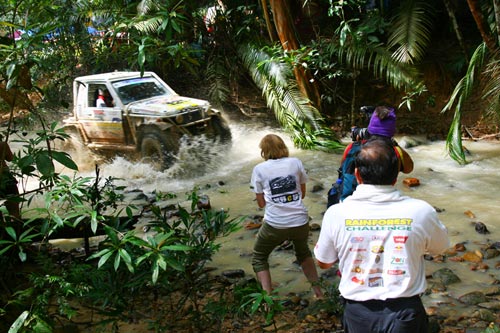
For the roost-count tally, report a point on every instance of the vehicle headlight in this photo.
(179, 119)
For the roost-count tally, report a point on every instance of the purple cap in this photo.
(384, 127)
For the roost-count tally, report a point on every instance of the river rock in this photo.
(492, 291)
(490, 253)
(234, 273)
(492, 305)
(472, 257)
(315, 227)
(484, 315)
(446, 276)
(411, 181)
(317, 188)
(470, 214)
(409, 142)
(473, 298)
(480, 228)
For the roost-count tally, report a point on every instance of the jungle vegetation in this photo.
(315, 63)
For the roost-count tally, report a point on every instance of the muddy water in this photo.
(224, 175)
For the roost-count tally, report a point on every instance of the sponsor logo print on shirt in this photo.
(398, 261)
(377, 249)
(402, 224)
(376, 282)
(396, 272)
(400, 239)
(358, 281)
(357, 239)
(355, 249)
(286, 198)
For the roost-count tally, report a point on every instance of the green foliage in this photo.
(462, 91)
(37, 160)
(254, 299)
(295, 114)
(411, 33)
(492, 328)
(17, 242)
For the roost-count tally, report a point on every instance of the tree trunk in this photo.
(475, 9)
(270, 28)
(496, 6)
(286, 32)
(458, 34)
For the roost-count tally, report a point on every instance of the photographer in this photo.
(382, 126)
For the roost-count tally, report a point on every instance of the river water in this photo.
(224, 175)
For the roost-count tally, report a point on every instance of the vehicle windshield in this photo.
(136, 89)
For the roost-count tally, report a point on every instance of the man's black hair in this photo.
(377, 163)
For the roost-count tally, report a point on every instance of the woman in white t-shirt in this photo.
(279, 184)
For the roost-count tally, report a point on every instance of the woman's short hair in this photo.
(273, 147)
(377, 163)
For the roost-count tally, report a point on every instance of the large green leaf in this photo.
(65, 159)
(44, 164)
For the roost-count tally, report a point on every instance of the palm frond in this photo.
(217, 75)
(411, 31)
(294, 112)
(380, 61)
(492, 86)
(462, 91)
(148, 25)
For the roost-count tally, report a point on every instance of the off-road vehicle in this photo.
(141, 114)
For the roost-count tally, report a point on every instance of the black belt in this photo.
(379, 301)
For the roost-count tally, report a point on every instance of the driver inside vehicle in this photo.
(103, 99)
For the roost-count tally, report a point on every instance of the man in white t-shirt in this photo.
(379, 238)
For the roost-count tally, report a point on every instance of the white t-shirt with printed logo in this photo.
(379, 238)
(280, 182)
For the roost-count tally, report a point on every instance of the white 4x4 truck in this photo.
(140, 114)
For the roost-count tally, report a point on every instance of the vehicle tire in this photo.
(159, 148)
(221, 129)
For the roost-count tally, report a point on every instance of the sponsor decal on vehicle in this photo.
(357, 239)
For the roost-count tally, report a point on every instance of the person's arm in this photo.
(261, 202)
(303, 189)
(323, 265)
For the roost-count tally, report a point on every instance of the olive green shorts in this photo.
(269, 238)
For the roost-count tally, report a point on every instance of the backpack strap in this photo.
(346, 151)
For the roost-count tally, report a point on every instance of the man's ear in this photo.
(358, 177)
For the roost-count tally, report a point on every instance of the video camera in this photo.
(367, 111)
(358, 133)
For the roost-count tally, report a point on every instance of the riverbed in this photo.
(224, 175)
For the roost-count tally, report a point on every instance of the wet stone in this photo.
(315, 227)
(481, 228)
(491, 253)
(317, 188)
(446, 276)
(234, 273)
(472, 257)
(493, 305)
(473, 298)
